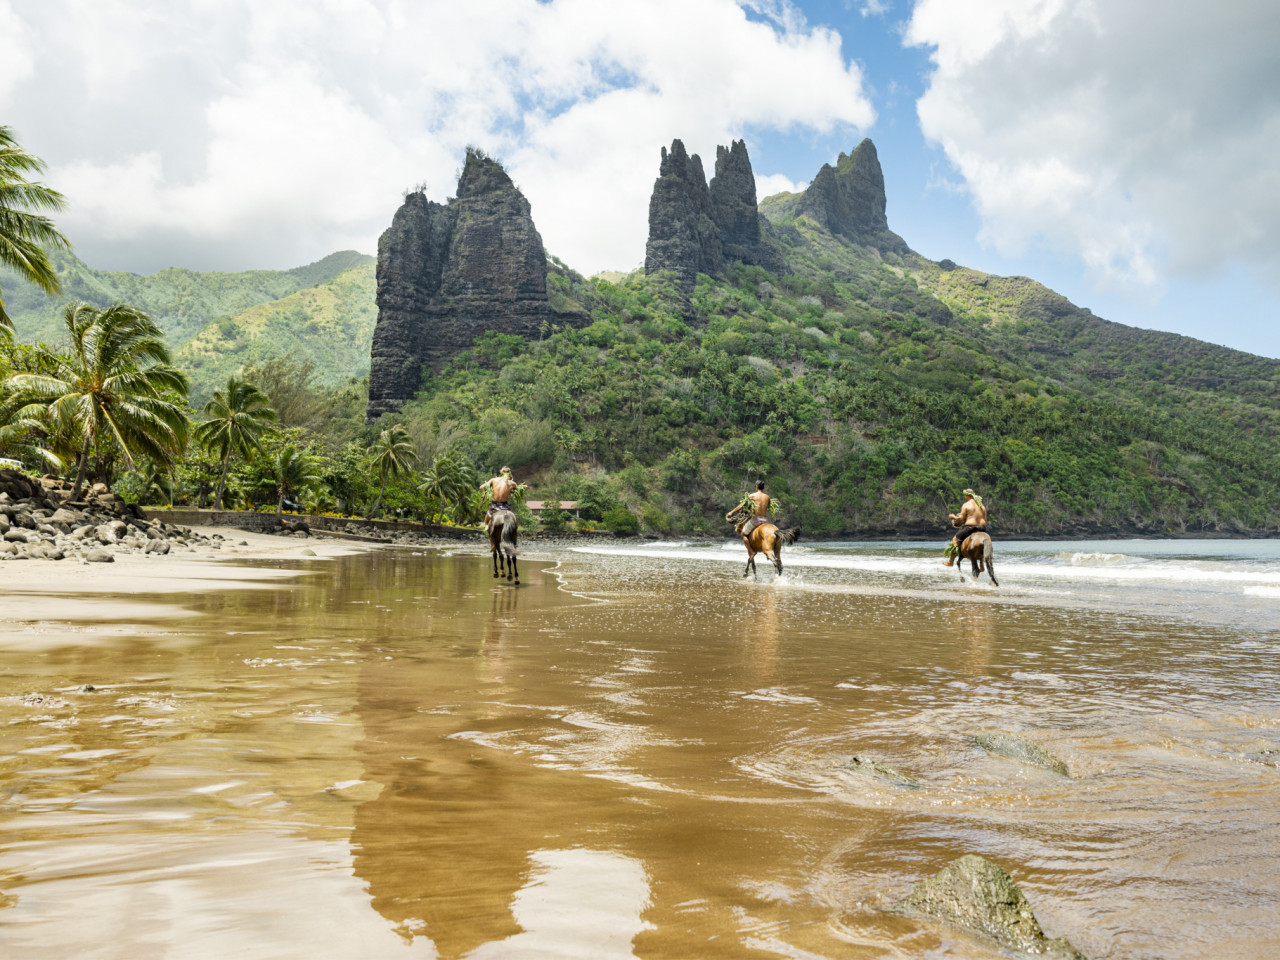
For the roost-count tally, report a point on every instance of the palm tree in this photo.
(393, 454)
(237, 420)
(110, 388)
(292, 470)
(450, 481)
(23, 233)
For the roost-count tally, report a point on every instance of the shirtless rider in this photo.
(761, 502)
(971, 518)
(500, 489)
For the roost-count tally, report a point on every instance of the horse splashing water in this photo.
(503, 531)
(977, 549)
(765, 538)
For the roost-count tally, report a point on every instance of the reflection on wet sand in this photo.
(401, 757)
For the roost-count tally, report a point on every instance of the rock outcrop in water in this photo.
(976, 895)
(695, 228)
(1021, 749)
(448, 273)
(875, 770)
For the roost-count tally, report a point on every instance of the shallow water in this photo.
(636, 753)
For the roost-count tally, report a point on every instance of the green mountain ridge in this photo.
(181, 301)
(330, 323)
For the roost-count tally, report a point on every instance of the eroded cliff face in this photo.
(695, 228)
(448, 273)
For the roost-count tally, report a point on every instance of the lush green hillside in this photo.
(181, 301)
(330, 324)
(868, 389)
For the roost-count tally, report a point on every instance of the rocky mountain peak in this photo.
(733, 198)
(448, 273)
(695, 228)
(683, 235)
(481, 174)
(848, 199)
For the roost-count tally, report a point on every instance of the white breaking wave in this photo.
(1097, 559)
(1262, 592)
(1062, 567)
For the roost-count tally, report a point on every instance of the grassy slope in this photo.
(182, 301)
(331, 323)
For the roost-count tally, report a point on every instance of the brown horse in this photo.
(766, 539)
(977, 549)
(502, 544)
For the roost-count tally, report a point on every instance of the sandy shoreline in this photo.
(43, 602)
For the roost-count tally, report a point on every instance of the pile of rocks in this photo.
(41, 522)
(292, 527)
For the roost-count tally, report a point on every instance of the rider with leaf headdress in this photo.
(757, 506)
(500, 490)
(971, 518)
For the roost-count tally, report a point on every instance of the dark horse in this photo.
(502, 543)
(766, 539)
(977, 548)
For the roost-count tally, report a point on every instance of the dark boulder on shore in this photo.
(978, 896)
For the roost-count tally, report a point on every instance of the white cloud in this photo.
(1141, 138)
(769, 184)
(16, 60)
(272, 131)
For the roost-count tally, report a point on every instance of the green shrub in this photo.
(621, 522)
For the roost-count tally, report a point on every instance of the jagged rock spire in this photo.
(848, 199)
(733, 197)
(696, 229)
(449, 272)
(683, 236)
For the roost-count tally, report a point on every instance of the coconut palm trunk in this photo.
(373, 511)
(222, 480)
(81, 467)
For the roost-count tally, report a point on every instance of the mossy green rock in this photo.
(976, 895)
(876, 770)
(1020, 749)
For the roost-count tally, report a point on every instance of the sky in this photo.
(1122, 152)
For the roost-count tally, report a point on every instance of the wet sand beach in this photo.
(379, 753)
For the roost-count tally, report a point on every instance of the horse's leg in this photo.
(973, 563)
(515, 569)
(494, 551)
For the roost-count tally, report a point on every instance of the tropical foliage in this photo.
(393, 454)
(237, 418)
(113, 394)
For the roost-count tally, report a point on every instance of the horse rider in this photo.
(971, 518)
(760, 504)
(500, 489)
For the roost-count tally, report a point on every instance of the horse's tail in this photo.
(986, 557)
(509, 527)
(788, 537)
